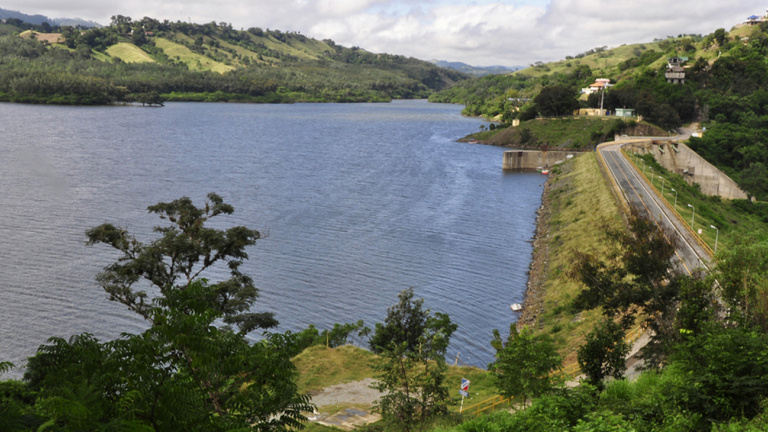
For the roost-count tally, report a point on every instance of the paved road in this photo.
(690, 255)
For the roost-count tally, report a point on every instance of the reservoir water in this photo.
(358, 202)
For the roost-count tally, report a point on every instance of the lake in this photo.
(358, 201)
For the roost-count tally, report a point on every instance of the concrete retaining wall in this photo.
(680, 159)
(531, 160)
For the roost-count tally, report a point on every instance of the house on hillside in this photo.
(676, 61)
(675, 75)
(599, 85)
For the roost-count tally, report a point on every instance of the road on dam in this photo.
(690, 255)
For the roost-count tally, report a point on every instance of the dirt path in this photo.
(356, 392)
(355, 398)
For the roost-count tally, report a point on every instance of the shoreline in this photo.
(533, 300)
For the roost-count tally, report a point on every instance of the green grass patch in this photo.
(320, 367)
(129, 53)
(194, 61)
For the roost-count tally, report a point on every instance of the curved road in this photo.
(637, 193)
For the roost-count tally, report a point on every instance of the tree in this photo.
(183, 373)
(557, 100)
(185, 250)
(412, 367)
(405, 323)
(523, 364)
(720, 36)
(604, 353)
(742, 273)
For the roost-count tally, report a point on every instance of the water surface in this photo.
(358, 203)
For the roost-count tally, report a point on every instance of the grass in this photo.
(580, 203)
(734, 218)
(193, 60)
(129, 53)
(320, 367)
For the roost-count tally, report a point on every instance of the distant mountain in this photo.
(39, 19)
(32, 19)
(476, 70)
(74, 22)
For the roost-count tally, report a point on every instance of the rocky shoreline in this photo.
(537, 272)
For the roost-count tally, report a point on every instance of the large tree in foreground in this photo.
(186, 372)
(185, 249)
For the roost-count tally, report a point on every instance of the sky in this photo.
(477, 32)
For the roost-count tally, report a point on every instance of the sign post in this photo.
(464, 392)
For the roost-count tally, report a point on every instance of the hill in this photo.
(477, 71)
(132, 60)
(37, 19)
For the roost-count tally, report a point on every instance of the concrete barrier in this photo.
(532, 160)
(680, 159)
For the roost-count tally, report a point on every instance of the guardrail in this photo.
(488, 404)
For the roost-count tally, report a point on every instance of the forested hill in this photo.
(150, 61)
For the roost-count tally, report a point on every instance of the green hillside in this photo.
(149, 60)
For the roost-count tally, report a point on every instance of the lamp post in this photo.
(694, 214)
(662, 185)
(673, 190)
(717, 234)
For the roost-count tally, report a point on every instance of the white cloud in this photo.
(481, 32)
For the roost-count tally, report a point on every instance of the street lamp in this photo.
(694, 214)
(717, 234)
(662, 185)
(673, 190)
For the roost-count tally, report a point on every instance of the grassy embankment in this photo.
(572, 133)
(579, 205)
(734, 218)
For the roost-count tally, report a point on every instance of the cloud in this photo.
(480, 32)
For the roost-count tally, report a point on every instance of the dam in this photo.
(532, 160)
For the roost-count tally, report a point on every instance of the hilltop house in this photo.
(754, 19)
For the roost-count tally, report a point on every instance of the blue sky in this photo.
(478, 32)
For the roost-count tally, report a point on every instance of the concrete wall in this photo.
(692, 167)
(531, 160)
